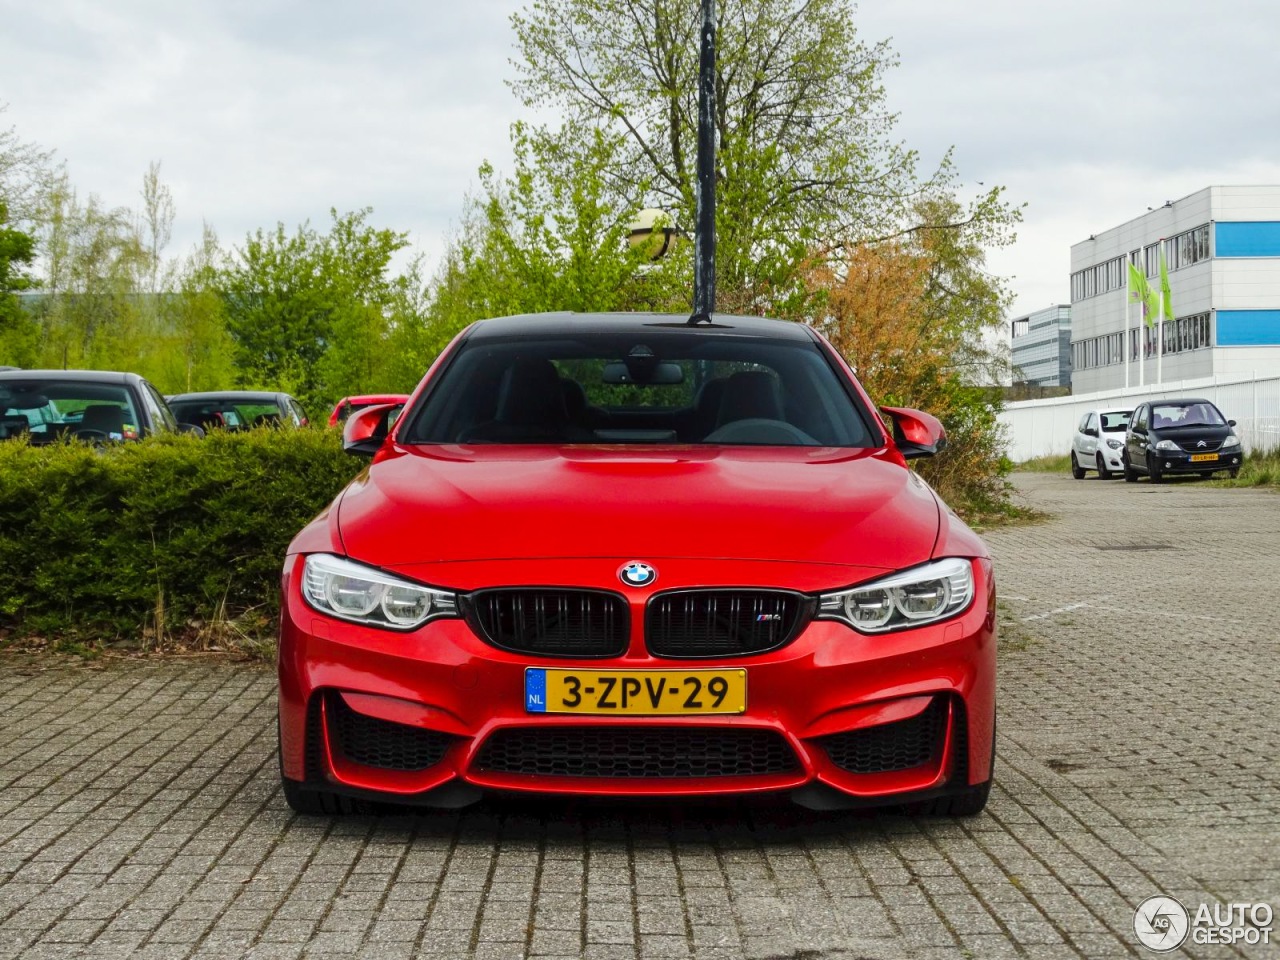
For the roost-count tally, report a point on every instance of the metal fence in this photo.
(1042, 428)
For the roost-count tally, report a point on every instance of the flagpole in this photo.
(1124, 347)
(1160, 340)
(1166, 307)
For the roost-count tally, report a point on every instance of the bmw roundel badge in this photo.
(636, 574)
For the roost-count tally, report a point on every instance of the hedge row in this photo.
(158, 539)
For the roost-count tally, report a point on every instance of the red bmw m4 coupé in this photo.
(620, 555)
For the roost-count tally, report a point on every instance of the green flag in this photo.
(1164, 287)
(1141, 291)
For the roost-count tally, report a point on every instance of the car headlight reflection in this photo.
(351, 591)
(912, 598)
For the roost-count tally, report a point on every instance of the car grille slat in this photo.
(374, 742)
(703, 624)
(1193, 446)
(900, 745)
(636, 752)
(550, 622)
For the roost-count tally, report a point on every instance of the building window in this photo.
(1188, 248)
(1098, 279)
(1180, 336)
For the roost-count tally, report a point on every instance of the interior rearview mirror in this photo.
(660, 374)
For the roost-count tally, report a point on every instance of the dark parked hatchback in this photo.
(92, 405)
(1180, 437)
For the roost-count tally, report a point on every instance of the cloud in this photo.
(276, 110)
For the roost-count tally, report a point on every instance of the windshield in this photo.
(1199, 413)
(1115, 422)
(641, 388)
(48, 409)
(227, 413)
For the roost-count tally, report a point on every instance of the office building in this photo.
(1222, 248)
(1041, 347)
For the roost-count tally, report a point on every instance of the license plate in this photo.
(1203, 457)
(635, 692)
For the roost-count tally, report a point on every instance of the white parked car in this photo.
(1098, 443)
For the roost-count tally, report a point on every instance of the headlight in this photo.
(1167, 445)
(1115, 444)
(1231, 441)
(351, 591)
(912, 598)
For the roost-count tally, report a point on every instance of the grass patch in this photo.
(1014, 635)
(1260, 469)
(1058, 464)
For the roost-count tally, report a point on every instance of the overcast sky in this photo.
(268, 110)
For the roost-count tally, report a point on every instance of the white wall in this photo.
(1041, 428)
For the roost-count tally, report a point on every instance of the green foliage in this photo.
(165, 535)
(18, 332)
(309, 313)
(553, 236)
(806, 155)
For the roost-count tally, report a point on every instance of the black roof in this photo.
(244, 396)
(1180, 402)
(560, 324)
(71, 376)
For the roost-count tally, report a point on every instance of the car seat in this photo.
(103, 417)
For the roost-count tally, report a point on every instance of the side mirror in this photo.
(916, 433)
(1090, 432)
(191, 428)
(366, 430)
(1231, 423)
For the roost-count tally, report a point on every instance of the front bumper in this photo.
(414, 716)
(1181, 462)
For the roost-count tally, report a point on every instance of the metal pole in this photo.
(704, 237)
(1124, 347)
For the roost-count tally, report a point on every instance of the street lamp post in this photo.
(704, 237)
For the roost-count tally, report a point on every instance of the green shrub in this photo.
(157, 539)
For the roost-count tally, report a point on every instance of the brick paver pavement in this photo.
(1139, 721)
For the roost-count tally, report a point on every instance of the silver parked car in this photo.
(1099, 443)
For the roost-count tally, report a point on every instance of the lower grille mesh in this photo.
(380, 743)
(631, 752)
(890, 746)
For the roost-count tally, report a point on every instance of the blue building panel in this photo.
(1260, 238)
(1248, 328)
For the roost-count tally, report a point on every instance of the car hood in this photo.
(1190, 435)
(423, 505)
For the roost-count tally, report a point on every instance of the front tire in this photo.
(1154, 471)
(1103, 472)
(968, 802)
(317, 803)
(1077, 471)
(1233, 473)
(1130, 474)
(308, 802)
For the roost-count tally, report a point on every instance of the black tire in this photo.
(968, 802)
(1130, 474)
(1103, 472)
(1154, 471)
(318, 803)
(308, 802)
(1233, 473)
(1077, 471)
